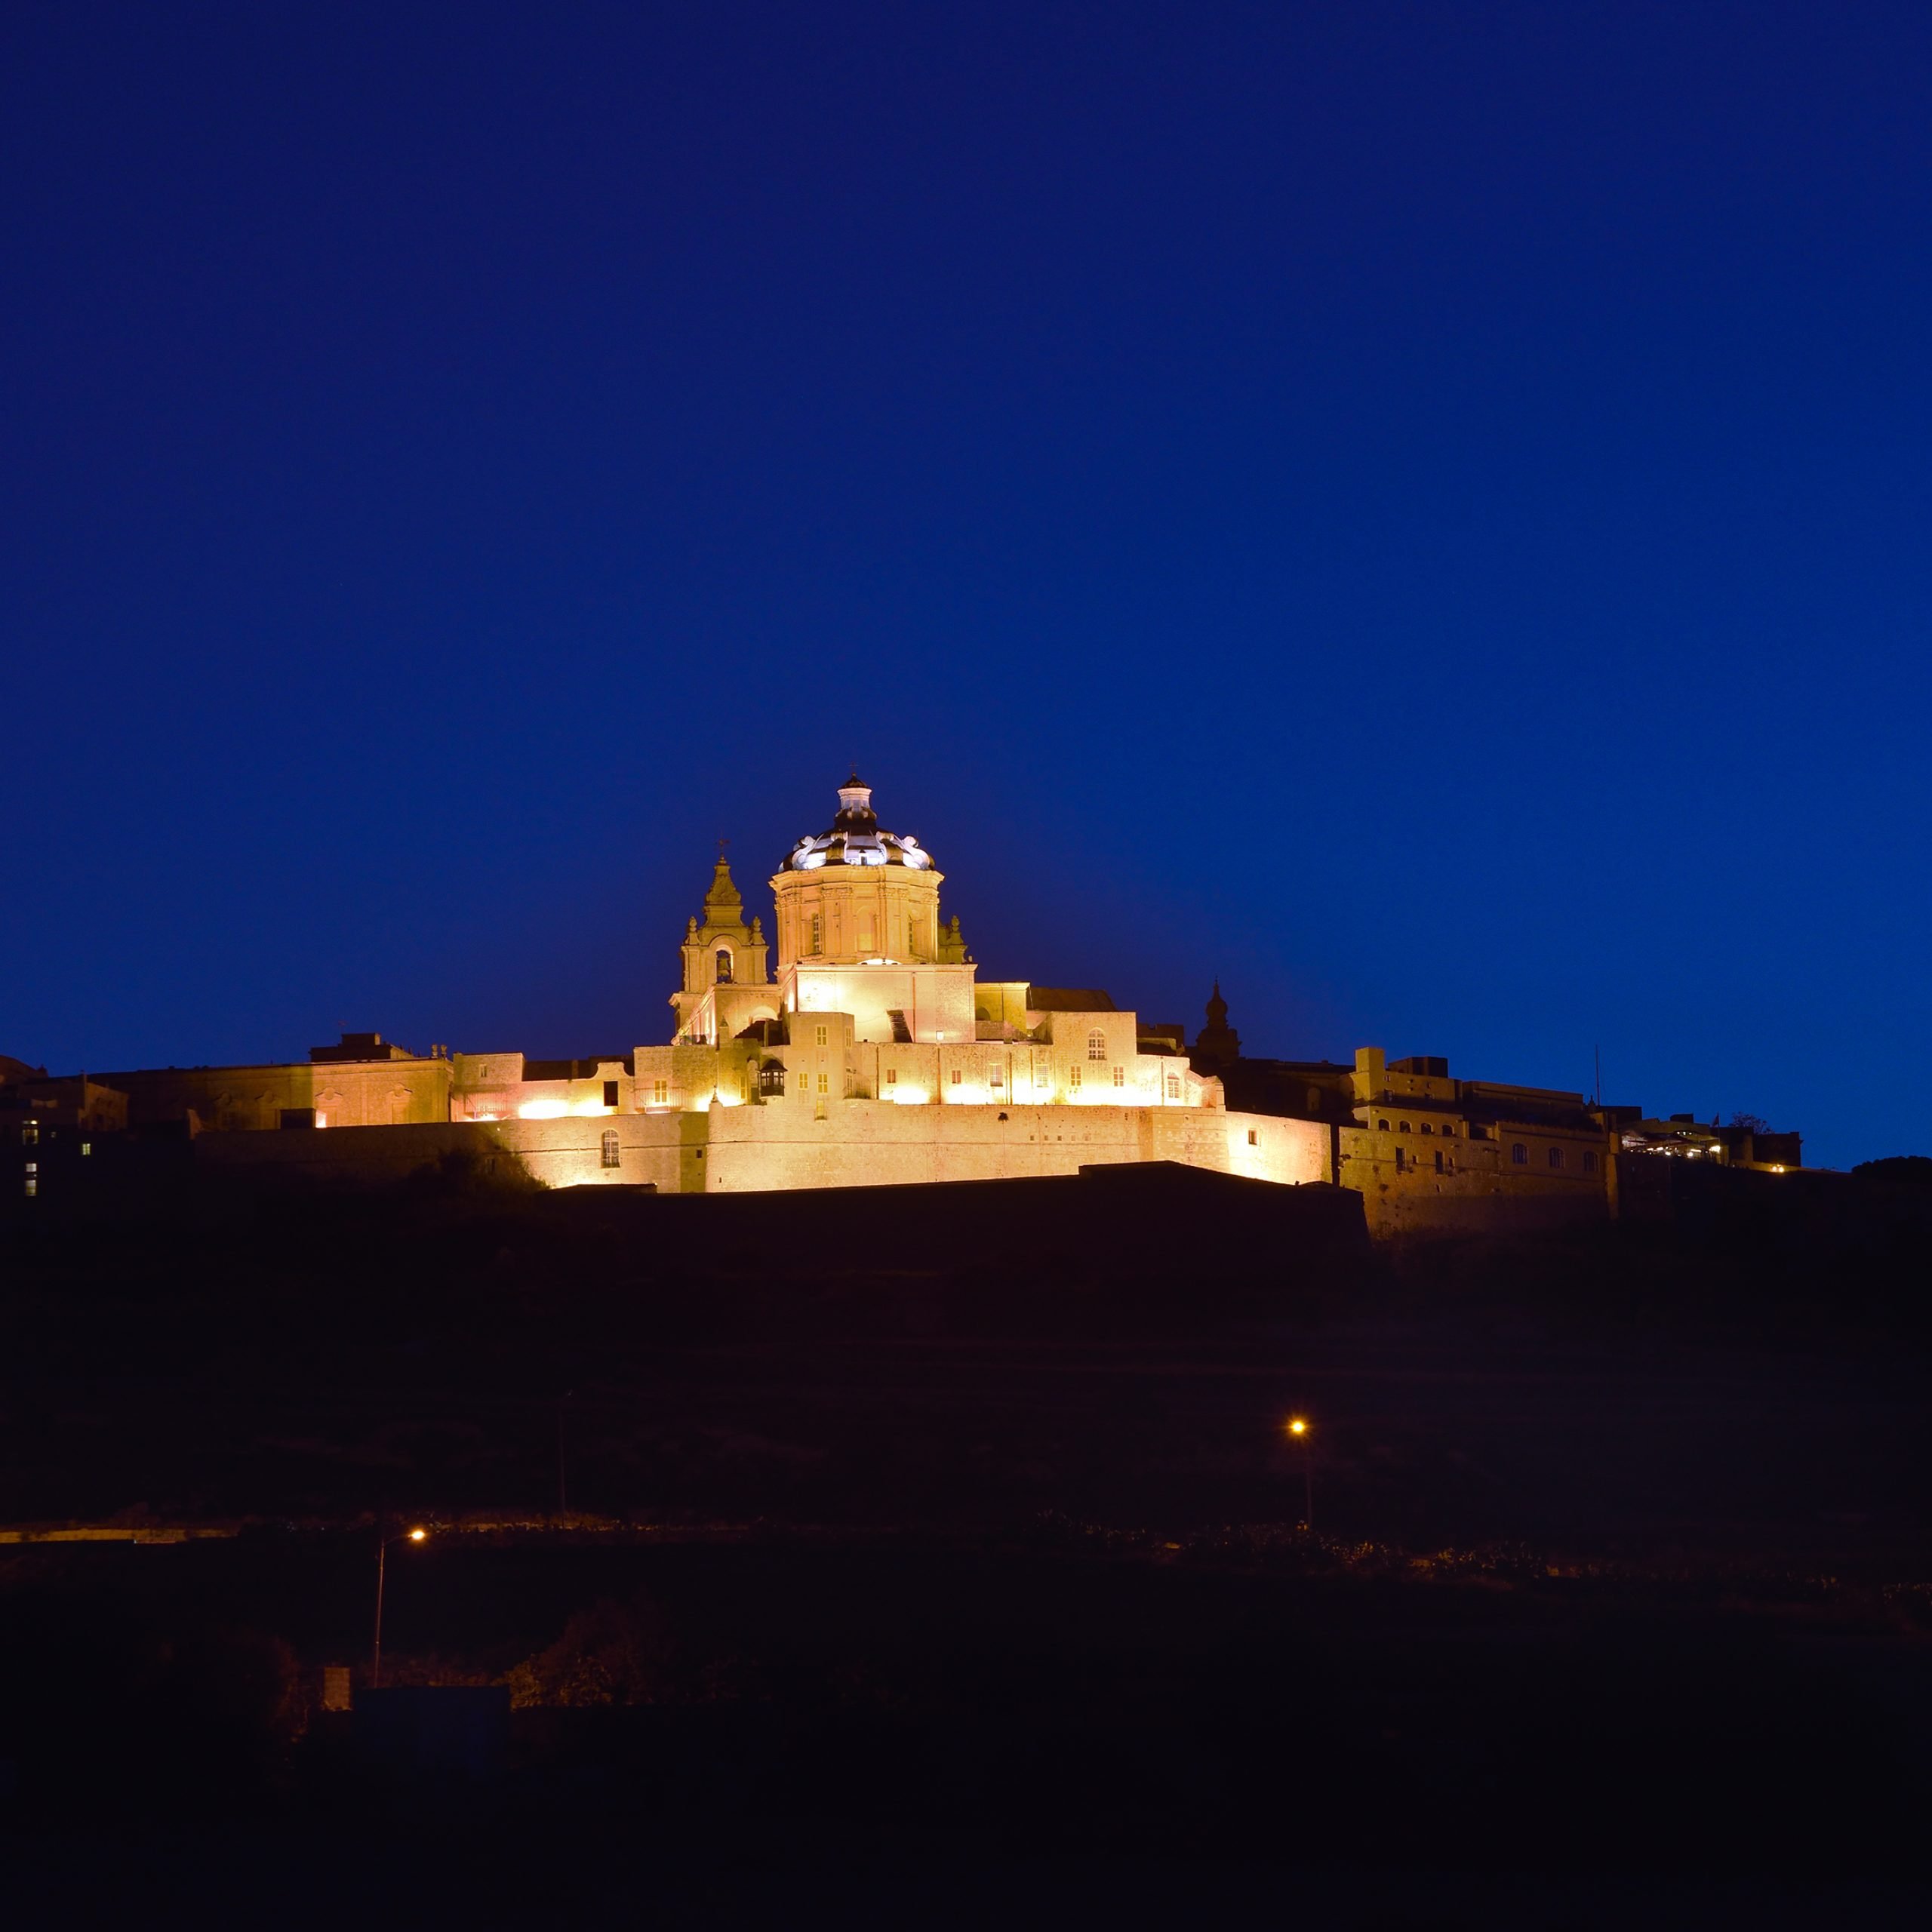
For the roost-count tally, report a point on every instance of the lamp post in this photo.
(382, 1551)
(1298, 1430)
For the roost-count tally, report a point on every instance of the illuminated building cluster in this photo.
(875, 1054)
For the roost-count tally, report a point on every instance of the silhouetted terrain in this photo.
(966, 1528)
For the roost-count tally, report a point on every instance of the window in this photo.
(805, 1083)
(661, 1092)
(1448, 1128)
(1073, 1078)
(1383, 1125)
(611, 1156)
(1174, 1086)
(610, 1092)
(955, 1076)
(86, 1148)
(30, 1134)
(825, 1083)
(1438, 1160)
(724, 966)
(996, 1078)
(1519, 1155)
(1426, 1128)
(32, 1180)
(1590, 1162)
(1254, 1138)
(1097, 1045)
(1402, 1127)
(912, 935)
(1556, 1157)
(818, 935)
(821, 1033)
(1401, 1160)
(892, 1076)
(1120, 1076)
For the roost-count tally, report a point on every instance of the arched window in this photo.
(1556, 1157)
(1383, 1125)
(1519, 1155)
(818, 935)
(611, 1157)
(723, 965)
(1426, 1128)
(1404, 1127)
(1097, 1045)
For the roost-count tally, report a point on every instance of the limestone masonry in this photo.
(875, 1054)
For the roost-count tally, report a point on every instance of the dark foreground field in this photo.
(969, 1573)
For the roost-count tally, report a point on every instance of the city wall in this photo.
(744, 1149)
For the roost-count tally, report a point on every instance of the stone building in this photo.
(874, 1054)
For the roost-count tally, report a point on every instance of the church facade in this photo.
(870, 1052)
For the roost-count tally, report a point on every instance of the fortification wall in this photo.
(857, 1143)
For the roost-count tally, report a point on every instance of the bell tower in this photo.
(723, 951)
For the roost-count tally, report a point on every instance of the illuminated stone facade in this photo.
(874, 1054)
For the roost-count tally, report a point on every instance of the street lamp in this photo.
(382, 1551)
(1298, 1430)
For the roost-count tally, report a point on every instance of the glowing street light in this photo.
(1298, 1432)
(382, 1551)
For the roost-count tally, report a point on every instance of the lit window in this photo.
(30, 1134)
(661, 1092)
(611, 1157)
(86, 1148)
(1556, 1157)
(1174, 1086)
(1120, 1076)
(1519, 1155)
(1097, 1045)
(32, 1183)
(892, 1076)
(1073, 1078)
(820, 1030)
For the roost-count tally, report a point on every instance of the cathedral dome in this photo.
(855, 839)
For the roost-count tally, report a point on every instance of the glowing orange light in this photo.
(416, 1535)
(1297, 1427)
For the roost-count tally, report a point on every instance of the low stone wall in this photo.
(752, 1150)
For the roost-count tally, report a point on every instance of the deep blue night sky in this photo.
(1422, 510)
